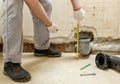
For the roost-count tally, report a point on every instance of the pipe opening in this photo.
(101, 61)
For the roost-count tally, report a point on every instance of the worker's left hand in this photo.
(79, 15)
(53, 28)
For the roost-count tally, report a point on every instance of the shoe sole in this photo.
(42, 55)
(21, 80)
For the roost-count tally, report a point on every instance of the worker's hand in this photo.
(79, 15)
(53, 28)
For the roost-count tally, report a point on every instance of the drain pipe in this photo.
(104, 61)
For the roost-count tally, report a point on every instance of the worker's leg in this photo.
(41, 33)
(12, 30)
(12, 39)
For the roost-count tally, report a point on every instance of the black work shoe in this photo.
(48, 52)
(16, 72)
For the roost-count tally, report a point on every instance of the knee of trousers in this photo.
(47, 4)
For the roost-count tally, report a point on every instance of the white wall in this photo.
(101, 14)
(27, 22)
(104, 16)
(61, 15)
(0, 14)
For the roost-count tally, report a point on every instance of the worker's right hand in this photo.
(79, 15)
(53, 28)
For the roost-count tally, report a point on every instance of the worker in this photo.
(12, 34)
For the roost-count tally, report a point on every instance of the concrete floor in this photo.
(64, 70)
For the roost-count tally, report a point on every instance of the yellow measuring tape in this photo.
(77, 40)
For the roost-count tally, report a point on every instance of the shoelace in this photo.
(16, 67)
